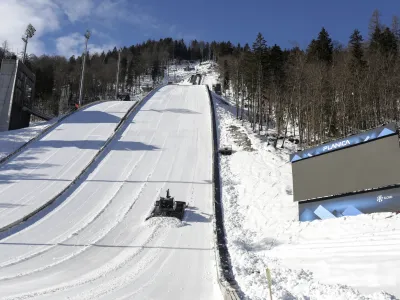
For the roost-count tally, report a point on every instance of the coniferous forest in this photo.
(325, 91)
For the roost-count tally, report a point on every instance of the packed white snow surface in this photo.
(49, 164)
(345, 258)
(12, 140)
(96, 243)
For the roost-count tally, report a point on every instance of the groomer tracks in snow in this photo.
(48, 165)
(96, 243)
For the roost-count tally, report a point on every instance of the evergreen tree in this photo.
(357, 53)
(123, 71)
(130, 75)
(71, 63)
(277, 65)
(226, 75)
(374, 23)
(396, 27)
(155, 72)
(321, 49)
(312, 50)
(114, 53)
(260, 47)
(375, 42)
(260, 51)
(388, 42)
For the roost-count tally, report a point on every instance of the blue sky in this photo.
(61, 24)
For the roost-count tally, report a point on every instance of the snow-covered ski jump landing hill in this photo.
(49, 164)
(95, 243)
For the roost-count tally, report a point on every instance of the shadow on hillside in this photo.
(20, 167)
(93, 117)
(95, 145)
(192, 215)
(10, 205)
(174, 110)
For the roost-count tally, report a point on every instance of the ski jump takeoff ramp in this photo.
(97, 245)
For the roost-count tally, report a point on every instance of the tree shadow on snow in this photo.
(10, 205)
(19, 167)
(95, 145)
(93, 117)
(11, 178)
(174, 110)
(192, 215)
(25, 155)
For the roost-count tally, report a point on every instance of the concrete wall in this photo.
(7, 81)
(23, 94)
(17, 89)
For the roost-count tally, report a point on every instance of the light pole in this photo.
(29, 32)
(116, 87)
(87, 36)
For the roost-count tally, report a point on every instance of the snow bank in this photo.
(164, 222)
(10, 141)
(345, 258)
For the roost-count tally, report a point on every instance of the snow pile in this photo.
(11, 140)
(164, 222)
(344, 258)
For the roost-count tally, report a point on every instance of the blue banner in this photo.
(387, 130)
(384, 200)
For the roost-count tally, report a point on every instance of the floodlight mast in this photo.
(87, 36)
(29, 33)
